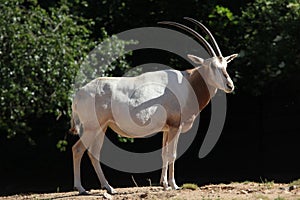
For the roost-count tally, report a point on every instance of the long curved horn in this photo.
(211, 37)
(194, 33)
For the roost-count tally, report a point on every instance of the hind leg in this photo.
(164, 178)
(78, 150)
(94, 155)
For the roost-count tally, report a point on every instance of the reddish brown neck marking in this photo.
(200, 88)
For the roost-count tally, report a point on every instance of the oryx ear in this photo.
(231, 57)
(196, 59)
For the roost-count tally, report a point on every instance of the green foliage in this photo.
(268, 43)
(125, 139)
(39, 56)
(41, 53)
(61, 145)
(224, 13)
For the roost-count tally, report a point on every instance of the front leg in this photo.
(172, 143)
(172, 181)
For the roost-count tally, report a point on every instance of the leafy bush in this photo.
(40, 55)
(269, 42)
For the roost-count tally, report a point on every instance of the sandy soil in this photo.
(238, 191)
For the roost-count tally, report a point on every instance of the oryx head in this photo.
(215, 67)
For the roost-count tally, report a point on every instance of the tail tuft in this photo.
(73, 131)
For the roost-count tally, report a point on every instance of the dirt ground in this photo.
(238, 191)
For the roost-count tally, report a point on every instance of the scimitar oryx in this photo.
(160, 101)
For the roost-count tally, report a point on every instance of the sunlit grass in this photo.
(190, 186)
(279, 198)
(262, 197)
(268, 184)
(295, 182)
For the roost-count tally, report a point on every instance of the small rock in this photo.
(292, 187)
(283, 188)
(250, 190)
(244, 192)
(154, 189)
(142, 196)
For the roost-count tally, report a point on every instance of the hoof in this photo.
(167, 188)
(173, 185)
(177, 188)
(110, 190)
(84, 193)
(165, 185)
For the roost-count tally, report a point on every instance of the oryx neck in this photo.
(212, 89)
(203, 91)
